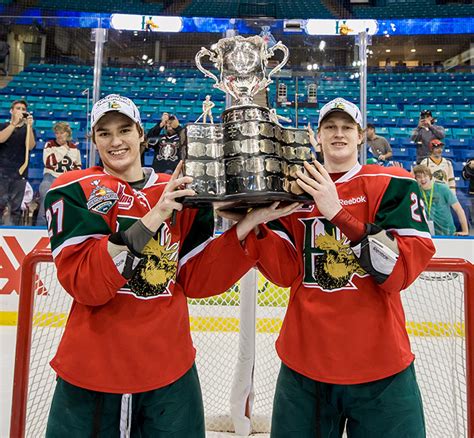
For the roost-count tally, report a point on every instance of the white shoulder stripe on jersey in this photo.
(349, 174)
(409, 178)
(194, 252)
(75, 241)
(411, 232)
(129, 217)
(354, 173)
(95, 175)
(284, 236)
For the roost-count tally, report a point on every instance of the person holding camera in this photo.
(17, 138)
(424, 133)
(164, 139)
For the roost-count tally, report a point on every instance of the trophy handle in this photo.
(286, 54)
(205, 52)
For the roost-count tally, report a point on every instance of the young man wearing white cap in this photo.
(441, 168)
(346, 356)
(129, 270)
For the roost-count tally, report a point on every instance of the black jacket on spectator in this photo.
(167, 148)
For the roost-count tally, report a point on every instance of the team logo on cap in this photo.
(339, 105)
(114, 105)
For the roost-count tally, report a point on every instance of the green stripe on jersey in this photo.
(70, 217)
(401, 208)
(201, 230)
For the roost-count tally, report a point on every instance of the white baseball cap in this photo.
(342, 105)
(115, 102)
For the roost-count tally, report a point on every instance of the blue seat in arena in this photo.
(407, 122)
(407, 164)
(452, 122)
(382, 130)
(456, 143)
(36, 160)
(464, 154)
(35, 172)
(42, 114)
(461, 133)
(390, 121)
(458, 166)
(395, 142)
(400, 132)
(449, 153)
(44, 124)
(148, 159)
(401, 153)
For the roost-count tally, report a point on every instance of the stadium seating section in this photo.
(106, 6)
(59, 93)
(280, 9)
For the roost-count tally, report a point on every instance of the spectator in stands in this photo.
(59, 155)
(166, 144)
(424, 133)
(17, 138)
(438, 199)
(441, 168)
(379, 146)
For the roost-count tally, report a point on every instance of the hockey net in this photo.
(438, 311)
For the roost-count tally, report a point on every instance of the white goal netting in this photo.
(435, 314)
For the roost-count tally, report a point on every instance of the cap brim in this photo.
(112, 110)
(339, 111)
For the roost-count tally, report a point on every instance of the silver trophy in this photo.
(250, 158)
(242, 63)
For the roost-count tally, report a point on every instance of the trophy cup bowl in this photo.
(249, 159)
(242, 64)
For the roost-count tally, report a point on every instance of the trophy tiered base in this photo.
(247, 160)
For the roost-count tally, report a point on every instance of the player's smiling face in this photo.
(118, 139)
(339, 137)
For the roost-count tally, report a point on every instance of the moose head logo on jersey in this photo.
(156, 272)
(329, 262)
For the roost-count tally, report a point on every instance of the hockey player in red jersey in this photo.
(346, 356)
(125, 363)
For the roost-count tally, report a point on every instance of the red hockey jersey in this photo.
(128, 337)
(342, 327)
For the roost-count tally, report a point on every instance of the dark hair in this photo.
(426, 113)
(370, 126)
(15, 102)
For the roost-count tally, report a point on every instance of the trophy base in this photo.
(240, 201)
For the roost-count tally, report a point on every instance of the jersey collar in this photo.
(349, 174)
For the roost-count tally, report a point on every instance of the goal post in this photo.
(439, 313)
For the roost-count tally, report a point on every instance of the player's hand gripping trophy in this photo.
(249, 158)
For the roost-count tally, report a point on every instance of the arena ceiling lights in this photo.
(146, 22)
(340, 27)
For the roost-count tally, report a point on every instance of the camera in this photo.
(25, 115)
